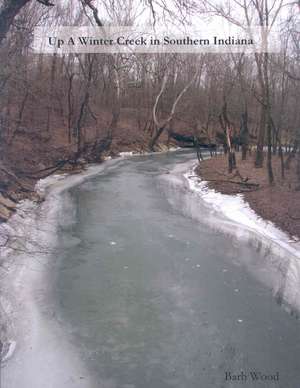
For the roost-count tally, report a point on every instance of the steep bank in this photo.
(279, 204)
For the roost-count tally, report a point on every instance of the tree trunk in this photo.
(244, 151)
(50, 96)
(259, 159)
(291, 155)
(84, 104)
(231, 161)
(280, 153)
(276, 132)
(225, 123)
(269, 158)
(298, 169)
(268, 118)
(154, 140)
(244, 134)
(70, 108)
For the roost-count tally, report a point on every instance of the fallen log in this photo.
(24, 186)
(246, 184)
(7, 202)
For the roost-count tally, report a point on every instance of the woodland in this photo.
(59, 112)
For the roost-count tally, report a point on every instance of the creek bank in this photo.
(20, 224)
(279, 204)
(232, 214)
(15, 187)
(38, 287)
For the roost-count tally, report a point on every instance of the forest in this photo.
(149, 200)
(61, 111)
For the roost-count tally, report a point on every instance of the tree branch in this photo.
(46, 2)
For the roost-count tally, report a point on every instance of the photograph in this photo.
(149, 193)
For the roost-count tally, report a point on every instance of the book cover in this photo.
(149, 193)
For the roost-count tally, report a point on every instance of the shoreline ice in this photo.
(24, 225)
(242, 222)
(236, 209)
(25, 278)
(43, 354)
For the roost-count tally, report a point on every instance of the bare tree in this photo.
(160, 125)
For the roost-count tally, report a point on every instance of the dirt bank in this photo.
(30, 158)
(279, 203)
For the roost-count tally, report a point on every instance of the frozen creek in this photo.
(136, 276)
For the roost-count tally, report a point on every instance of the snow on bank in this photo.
(43, 353)
(30, 331)
(145, 153)
(244, 223)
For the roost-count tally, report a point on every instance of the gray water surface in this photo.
(155, 298)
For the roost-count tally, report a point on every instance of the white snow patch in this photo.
(172, 149)
(126, 153)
